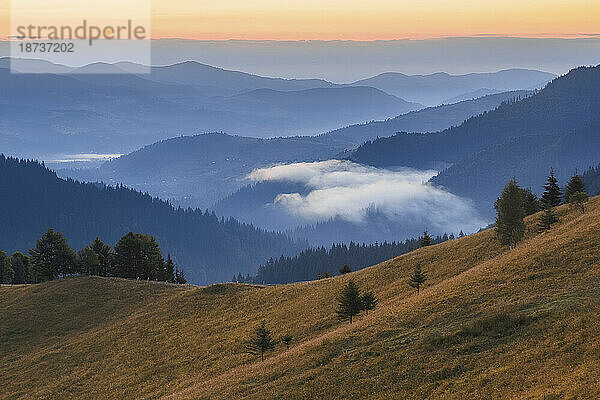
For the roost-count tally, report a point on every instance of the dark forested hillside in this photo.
(321, 262)
(557, 127)
(566, 103)
(202, 169)
(591, 180)
(431, 119)
(209, 249)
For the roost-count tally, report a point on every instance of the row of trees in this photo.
(516, 203)
(317, 262)
(135, 256)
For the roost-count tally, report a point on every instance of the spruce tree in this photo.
(105, 257)
(575, 185)
(531, 204)
(510, 227)
(7, 274)
(179, 277)
(369, 301)
(349, 302)
(425, 240)
(287, 339)
(417, 278)
(578, 199)
(547, 220)
(345, 269)
(170, 270)
(552, 194)
(21, 265)
(138, 256)
(87, 261)
(52, 257)
(261, 342)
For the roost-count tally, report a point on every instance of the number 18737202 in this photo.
(43, 47)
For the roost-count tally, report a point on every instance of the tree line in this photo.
(317, 262)
(516, 203)
(210, 248)
(135, 256)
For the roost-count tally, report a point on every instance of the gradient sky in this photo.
(365, 20)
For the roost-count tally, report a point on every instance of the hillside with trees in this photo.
(591, 180)
(556, 127)
(445, 321)
(207, 248)
(320, 261)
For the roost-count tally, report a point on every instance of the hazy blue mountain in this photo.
(434, 89)
(431, 119)
(191, 171)
(205, 76)
(200, 170)
(312, 111)
(557, 127)
(95, 109)
(471, 95)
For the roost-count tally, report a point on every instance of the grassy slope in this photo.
(489, 324)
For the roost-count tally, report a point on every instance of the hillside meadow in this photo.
(490, 323)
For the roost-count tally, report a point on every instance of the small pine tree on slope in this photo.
(261, 342)
(510, 227)
(547, 220)
(575, 185)
(417, 278)
(369, 301)
(552, 194)
(349, 302)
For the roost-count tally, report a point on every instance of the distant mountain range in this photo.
(101, 108)
(201, 170)
(557, 127)
(435, 89)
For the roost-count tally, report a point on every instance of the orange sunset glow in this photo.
(360, 20)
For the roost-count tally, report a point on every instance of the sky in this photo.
(359, 20)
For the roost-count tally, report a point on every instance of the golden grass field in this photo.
(489, 324)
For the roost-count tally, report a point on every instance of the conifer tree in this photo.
(417, 278)
(531, 204)
(170, 270)
(21, 265)
(345, 269)
(105, 257)
(547, 220)
(425, 240)
(552, 195)
(52, 257)
(510, 227)
(7, 274)
(287, 339)
(179, 277)
(88, 262)
(575, 185)
(261, 342)
(369, 301)
(578, 199)
(349, 302)
(138, 256)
